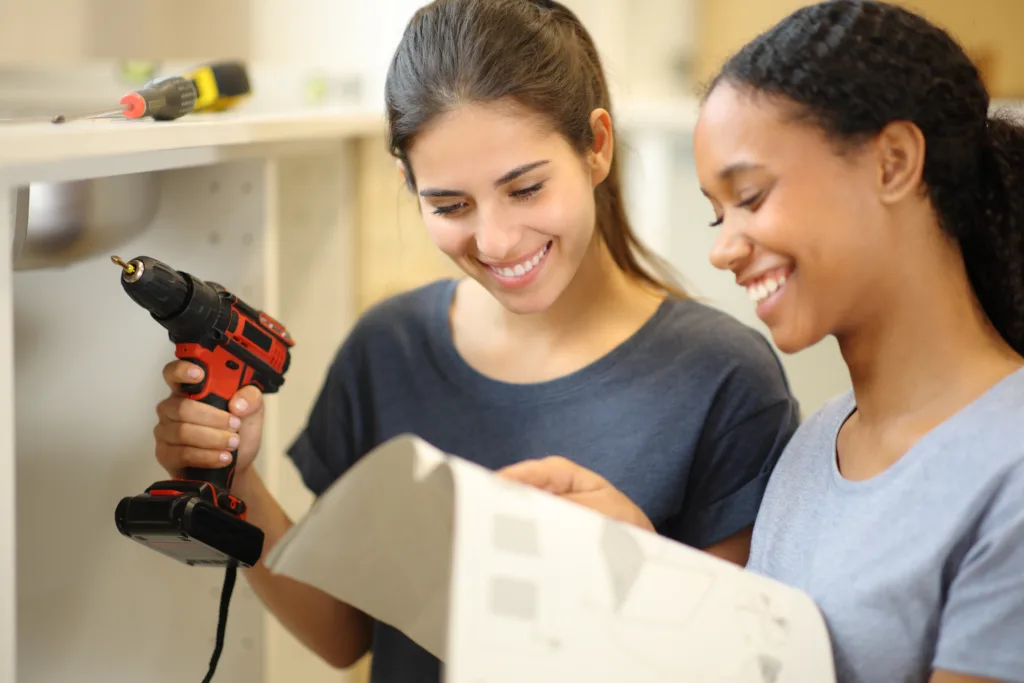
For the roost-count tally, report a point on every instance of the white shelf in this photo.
(30, 148)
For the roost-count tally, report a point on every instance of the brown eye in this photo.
(751, 201)
(526, 192)
(449, 208)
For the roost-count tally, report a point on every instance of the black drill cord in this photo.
(222, 619)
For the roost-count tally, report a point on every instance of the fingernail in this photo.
(241, 404)
(234, 422)
(194, 372)
(233, 442)
(225, 457)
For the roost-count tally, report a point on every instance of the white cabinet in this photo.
(261, 204)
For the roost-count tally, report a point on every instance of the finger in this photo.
(177, 458)
(178, 409)
(195, 436)
(612, 504)
(180, 372)
(549, 474)
(555, 474)
(247, 401)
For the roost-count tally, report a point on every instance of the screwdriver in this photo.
(212, 87)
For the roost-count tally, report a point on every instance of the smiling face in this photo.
(508, 200)
(803, 229)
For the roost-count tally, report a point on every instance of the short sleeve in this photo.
(338, 429)
(981, 632)
(730, 473)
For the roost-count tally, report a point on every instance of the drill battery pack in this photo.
(191, 522)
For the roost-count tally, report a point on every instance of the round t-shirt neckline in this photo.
(848, 406)
(456, 369)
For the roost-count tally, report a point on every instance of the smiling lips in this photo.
(522, 267)
(767, 284)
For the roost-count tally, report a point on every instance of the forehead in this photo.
(481, 140)
(736, 127)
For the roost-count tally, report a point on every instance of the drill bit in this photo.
(127, 267)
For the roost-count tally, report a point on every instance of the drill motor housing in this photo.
(196, 519)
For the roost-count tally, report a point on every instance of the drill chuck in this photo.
(185, 305)
(155, 286)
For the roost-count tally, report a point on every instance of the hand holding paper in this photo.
(507, 583)
(562, 477)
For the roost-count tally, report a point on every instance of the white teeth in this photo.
(761, 290)
(523, 268)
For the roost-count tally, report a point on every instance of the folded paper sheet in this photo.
(505, 583)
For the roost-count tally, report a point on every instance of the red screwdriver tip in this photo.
(135, 105)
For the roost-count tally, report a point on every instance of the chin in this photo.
(526, 301)
(790, 341)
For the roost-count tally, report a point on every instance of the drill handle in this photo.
(223, 376)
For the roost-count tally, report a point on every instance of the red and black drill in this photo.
(196, 519)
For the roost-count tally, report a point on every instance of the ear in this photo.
(901, 152)
(404, 173)
(599, 156)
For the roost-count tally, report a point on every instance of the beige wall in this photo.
(988, 29)
(72, 30)
(395, 252)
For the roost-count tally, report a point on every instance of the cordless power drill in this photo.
(195, 519)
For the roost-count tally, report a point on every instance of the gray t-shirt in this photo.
(687, 417)
(917, 568)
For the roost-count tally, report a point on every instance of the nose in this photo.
(497, 236)
(730, 249)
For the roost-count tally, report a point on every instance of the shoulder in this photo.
(394, 331)
(691, 330)
(406, 311)
(983, 613)
(707, 350)
(407, 318)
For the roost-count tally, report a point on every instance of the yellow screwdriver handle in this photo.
(219, 86)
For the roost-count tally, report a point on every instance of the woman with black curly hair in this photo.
(862, 189)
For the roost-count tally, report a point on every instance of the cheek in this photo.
(568, 215)
(451, 236)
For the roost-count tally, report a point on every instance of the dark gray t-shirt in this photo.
(921, 566)
(687, 418)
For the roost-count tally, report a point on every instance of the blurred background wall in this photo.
(309, 53)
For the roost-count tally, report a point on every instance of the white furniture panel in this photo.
(260, 204)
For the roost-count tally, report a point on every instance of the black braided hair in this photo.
(851, 67)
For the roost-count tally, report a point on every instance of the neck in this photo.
(927, 352)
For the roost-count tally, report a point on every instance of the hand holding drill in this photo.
(193, 434)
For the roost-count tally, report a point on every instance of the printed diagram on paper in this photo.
(515, 584)
(570, 595)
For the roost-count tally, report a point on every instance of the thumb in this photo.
(247, 401)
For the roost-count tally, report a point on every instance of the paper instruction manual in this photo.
(505, 583)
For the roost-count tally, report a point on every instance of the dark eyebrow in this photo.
(737, 168)
(518, 171)
(508, 177)
(732, 170)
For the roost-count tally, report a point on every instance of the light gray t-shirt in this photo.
(920, 567)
